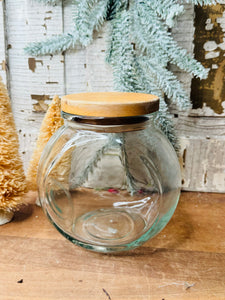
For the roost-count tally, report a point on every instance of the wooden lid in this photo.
(109, 104)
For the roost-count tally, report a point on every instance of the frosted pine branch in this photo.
(56, 44)
(168, 10)
(122, 55)
(81, 34)
(155, 40)
(140, 48)
(114, 6)
(90, 16)
(92, 164)
(162, 118)
(166, 81)
(164, 121)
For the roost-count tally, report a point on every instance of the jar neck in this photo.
(123, 124)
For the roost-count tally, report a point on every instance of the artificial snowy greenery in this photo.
(141, 47)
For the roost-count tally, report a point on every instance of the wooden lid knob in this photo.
(109, 104)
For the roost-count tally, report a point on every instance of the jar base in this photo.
(109, 227)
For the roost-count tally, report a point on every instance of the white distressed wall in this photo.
(202, 131)
(32, 82)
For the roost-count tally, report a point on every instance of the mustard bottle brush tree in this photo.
(140, 49)
(12, 178)
(50, 124)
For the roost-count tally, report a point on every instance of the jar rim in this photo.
(109, 104)
(105, 121)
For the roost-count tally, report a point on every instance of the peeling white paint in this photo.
(219, 181)
(212, 54)
(209, 24)
(222, 45)
(206, 111)
(210, 46)
(221, 21)
(214, 66)
(209, 27)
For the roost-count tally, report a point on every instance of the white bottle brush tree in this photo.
(140, 49)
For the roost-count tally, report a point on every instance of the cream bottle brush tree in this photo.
(12, 178)
(140, 49)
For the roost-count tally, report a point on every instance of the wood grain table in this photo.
(185, 261)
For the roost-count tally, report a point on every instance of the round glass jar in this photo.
(108, 179)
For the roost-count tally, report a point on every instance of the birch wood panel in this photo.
(202, 150)
(33, 82)
(201, 130)
(204, 169)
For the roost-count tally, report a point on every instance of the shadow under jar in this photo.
(109, 180)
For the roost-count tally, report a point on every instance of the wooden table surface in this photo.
(185, 261)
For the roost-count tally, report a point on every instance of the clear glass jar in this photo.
(110, 183)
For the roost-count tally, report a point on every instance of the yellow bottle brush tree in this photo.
(50, 124)
(12, 178)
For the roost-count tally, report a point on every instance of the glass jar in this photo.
(108, 179)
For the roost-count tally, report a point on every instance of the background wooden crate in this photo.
(32, 82)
